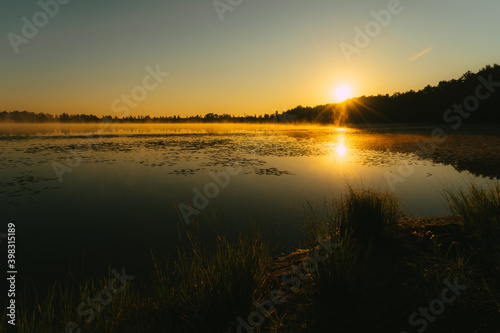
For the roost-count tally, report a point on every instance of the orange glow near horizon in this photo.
(261, 60)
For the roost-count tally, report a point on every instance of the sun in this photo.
(342, 93)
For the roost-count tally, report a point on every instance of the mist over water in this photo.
(112, 193)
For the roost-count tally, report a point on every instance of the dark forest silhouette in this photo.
(432, 104)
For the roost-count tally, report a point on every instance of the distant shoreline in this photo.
(472, 98)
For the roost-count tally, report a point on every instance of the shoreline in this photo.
(387, 280)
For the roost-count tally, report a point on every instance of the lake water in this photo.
(113, 193)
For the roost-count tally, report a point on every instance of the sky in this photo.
(191, 57)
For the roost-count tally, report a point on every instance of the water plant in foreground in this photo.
(478, 210)
(359, 218)
(199, 290)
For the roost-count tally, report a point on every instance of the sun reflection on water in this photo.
(340, 149)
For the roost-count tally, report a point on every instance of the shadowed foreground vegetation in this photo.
(199, 291)
(390, 278)
(365, 268)
(479, 212)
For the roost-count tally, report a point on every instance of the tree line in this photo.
(31, 117)
(473, 96)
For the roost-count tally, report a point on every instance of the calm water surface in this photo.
(113, 193)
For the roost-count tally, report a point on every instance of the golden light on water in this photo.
(341, 149)
(339, 146)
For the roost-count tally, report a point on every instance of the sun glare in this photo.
(341, 150)
(342, 93)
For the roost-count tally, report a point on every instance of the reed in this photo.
(201, 290)
(478, 209)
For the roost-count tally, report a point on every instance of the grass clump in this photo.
(368, 213)
(64, 306)
(479, 212)
(443, 263)
(210, 289)
(200, 290)
(354, 222)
